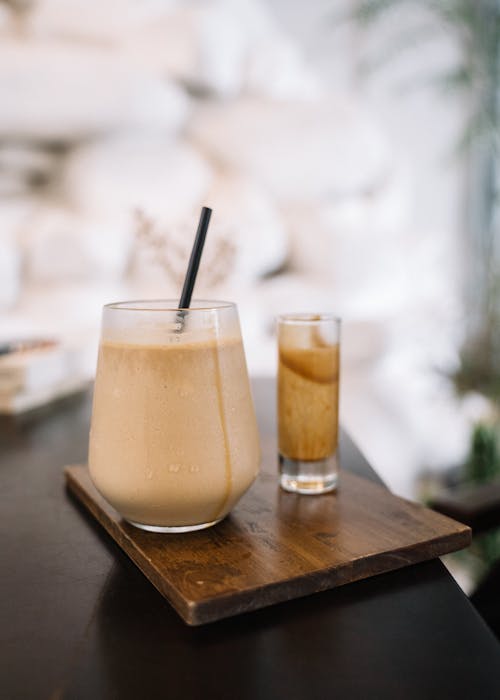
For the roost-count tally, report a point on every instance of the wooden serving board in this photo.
(276, 546)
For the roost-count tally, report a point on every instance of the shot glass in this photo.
(308, 401)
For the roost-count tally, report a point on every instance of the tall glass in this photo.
(173, 440)
(308, 401)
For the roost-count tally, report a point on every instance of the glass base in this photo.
(173, 528)
(309, 477)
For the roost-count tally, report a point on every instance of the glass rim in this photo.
(304, 318)
(169, 305)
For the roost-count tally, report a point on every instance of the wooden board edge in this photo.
(196, 613)
(415, 505)
(201, 613)
(182, 607)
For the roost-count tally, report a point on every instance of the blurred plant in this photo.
(19, 9)
(165, 251)
(19, 6)
(483, 466)
(475, 26)
(483, 462)
(479, 368)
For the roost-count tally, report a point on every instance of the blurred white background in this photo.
(330, 191)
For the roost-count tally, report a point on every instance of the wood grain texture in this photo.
(276, 546)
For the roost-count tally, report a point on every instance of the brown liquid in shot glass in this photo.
(308, 389)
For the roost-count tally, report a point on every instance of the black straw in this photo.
(194, 260)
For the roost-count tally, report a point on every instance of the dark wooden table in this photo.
(78, 620)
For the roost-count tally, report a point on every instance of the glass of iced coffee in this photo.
(173, 440)
(308, 401)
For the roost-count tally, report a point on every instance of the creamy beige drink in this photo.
(174, 441)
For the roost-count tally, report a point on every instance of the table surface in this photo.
(79, 620)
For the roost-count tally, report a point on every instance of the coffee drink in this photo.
(174, 441)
